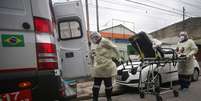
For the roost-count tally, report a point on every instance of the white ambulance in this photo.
(30, 50)
(28, 55)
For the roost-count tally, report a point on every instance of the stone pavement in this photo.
(193, 94)
(84, 90)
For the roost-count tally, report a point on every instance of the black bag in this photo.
(143, 45)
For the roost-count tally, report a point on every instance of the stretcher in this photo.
(153, 58)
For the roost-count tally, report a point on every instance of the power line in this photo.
(164, 5)
(162, 9)
(129, 12)
(160, 4)
(132, 7)
(120, 4)
(189, 4)
(153, 2)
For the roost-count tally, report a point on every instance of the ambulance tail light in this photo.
(45, 44)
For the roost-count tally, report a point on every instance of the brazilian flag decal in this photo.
(12, 40)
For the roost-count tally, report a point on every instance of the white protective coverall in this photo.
(104, 66)
(187, 48)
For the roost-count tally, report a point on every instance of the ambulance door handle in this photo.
(26, 25)
(69, 55)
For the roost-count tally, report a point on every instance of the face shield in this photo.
(95, 37)
(183, 36)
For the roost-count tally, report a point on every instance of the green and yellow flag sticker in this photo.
(12, 40)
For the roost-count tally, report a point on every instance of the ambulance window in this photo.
(70, 30)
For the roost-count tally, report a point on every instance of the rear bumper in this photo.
(46, 86)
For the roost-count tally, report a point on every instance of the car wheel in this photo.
(195, 75)
(176, 93)
(142, 95)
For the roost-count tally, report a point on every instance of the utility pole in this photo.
(112, 30)
(97, 16)
(184, 11)
(87, 19)
(87, 15)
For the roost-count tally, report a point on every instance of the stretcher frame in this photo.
(151, 86)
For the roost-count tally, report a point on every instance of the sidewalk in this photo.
(84, 90)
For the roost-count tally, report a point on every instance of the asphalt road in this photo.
(192, 94)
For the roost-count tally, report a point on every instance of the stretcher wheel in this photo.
(157, 89)
(176, 93)
(159, 98)
(142, 95)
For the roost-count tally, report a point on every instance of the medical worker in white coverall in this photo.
(187, 48)
(104, 68)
